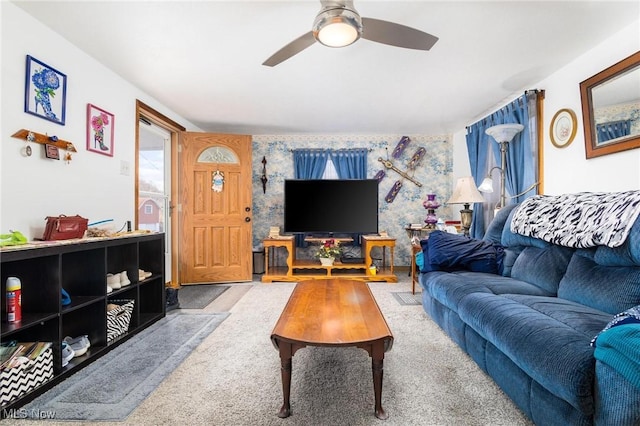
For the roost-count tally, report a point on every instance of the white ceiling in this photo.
(203, 59)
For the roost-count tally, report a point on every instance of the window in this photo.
(148, 209)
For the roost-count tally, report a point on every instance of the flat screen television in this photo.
(336, 206)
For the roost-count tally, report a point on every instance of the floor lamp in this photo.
(465, 193)
(503, 134)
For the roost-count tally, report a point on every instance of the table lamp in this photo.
(465, 193)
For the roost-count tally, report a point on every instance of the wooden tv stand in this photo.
(312, 269)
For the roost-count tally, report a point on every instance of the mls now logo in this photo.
(23, 413)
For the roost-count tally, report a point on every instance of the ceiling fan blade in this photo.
(291, 49)
(396, 35)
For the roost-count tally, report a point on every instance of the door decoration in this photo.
(413, 163)
(217, 181)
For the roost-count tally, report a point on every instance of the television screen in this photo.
(331, 206)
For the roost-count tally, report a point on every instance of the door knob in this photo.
(247, 219)
(247, 209)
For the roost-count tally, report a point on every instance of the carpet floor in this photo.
(233, 377)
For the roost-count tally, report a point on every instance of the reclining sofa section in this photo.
(530, 327)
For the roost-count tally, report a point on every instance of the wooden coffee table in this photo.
(332, 312)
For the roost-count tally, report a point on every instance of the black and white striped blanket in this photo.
(580, 220)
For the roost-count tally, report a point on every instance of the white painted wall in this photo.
(567, 169)
(92, 186)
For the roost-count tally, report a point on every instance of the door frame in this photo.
(145, 112)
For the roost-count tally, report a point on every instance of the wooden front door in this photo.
(215, 226)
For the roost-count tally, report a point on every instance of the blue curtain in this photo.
(522, 155)
(476, 147)
(350, 163)
(613, 130)
(309, 163)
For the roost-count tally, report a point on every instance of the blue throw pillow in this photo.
(452, 252)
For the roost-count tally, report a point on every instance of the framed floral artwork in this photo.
(99, 130)
(45, 92)
(563, 128)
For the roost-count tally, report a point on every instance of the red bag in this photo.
(64, 227)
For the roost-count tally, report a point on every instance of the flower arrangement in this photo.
(329, 248)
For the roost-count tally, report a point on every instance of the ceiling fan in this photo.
(338, 24)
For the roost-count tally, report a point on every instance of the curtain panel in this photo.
(522, 156)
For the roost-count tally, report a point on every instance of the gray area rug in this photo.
(199, 296)
(407, 298)
(233, 378)
(114, 385)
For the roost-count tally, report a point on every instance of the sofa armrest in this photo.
(617, 401)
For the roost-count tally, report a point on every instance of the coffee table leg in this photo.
(377, 359)
(285, 370)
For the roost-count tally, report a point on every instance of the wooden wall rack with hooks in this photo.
(44, 139)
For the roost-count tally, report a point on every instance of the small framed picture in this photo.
(51, 151)
(99, 130)
(563, 128)
(45, 91)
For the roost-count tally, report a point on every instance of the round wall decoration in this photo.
(563, 128)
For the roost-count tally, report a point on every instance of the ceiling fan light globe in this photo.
(337, 27)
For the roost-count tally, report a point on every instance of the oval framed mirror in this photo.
(611, 108)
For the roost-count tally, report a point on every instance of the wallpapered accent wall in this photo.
(435, 174)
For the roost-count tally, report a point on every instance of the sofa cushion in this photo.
(511, 239)
(542, 267)
(606, 288)
(628, 254)
(547, 337)
(450, 288)
(493, 234)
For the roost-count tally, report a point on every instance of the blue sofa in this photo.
(530, 326)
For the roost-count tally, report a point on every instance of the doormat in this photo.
(199, 296)
(406, 298)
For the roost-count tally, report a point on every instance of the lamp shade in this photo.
(504, 132)
(465, 192)
(486, 185)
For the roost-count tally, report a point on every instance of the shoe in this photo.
(109, 289)
(124, 279)
(79, 345)
(172, 299)
(143, 275)
(67, 354)
(113, 281)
